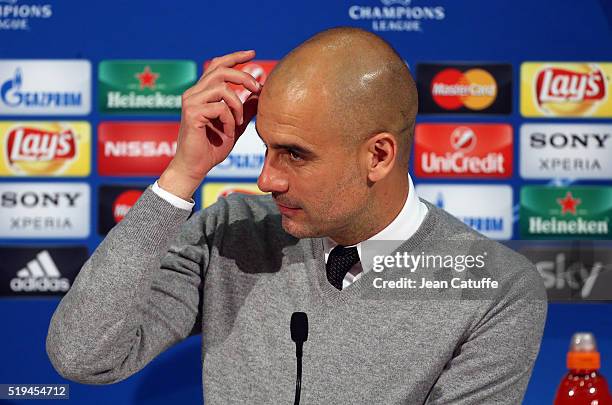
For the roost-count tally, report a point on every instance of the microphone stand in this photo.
(299, 334)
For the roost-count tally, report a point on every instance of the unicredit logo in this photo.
(463, 139)
(475, 89)
(481, 150)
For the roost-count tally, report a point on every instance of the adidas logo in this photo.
(40, 274)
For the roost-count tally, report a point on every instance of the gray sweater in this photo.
(231, 273)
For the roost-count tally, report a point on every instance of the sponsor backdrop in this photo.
(514, 137)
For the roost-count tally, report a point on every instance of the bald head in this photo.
(363, 84)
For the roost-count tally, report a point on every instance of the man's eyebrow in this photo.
(293, 148)
(288, 146)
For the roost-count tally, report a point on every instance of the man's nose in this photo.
(271, 179)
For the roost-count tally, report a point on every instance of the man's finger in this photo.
(221, 111)
(218, 93)
(231, 59)
(228, 60)
(224, 75)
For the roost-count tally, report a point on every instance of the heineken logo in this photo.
(144, 86)
(131, 101)
(566, 212)
(568, 203)
(147, 78)
(539, 225)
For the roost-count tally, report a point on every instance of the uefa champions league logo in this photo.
(17, 17)
(392, 2)
(397, 15)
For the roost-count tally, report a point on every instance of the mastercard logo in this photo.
(124, 203)
(474, 89)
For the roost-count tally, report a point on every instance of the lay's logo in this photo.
(555, 85)
(566, 89)
(31, 144)
(45, 149)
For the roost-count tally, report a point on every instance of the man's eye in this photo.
(294, 156)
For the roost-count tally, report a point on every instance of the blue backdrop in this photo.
(471, 30)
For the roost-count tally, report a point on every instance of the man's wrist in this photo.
(180, 186)
(172, 199)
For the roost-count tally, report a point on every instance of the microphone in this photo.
(299, 334)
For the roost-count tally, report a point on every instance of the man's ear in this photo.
(382, 153)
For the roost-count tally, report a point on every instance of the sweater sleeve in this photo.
(138, 294)
(494, 363)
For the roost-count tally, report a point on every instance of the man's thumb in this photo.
(249, 111)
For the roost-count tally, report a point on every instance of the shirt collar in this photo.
(405, 224)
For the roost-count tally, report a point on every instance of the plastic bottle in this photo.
(583, 385)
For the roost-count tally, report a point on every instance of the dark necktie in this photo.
(339, 262)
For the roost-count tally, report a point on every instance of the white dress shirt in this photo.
(400, 229)
(171, 198)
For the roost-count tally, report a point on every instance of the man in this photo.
(337, 116)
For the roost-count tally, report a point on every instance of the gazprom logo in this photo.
(471, 204)
(13, 96)
(45, 87)
(8, 86)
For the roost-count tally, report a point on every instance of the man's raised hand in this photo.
(212, 119)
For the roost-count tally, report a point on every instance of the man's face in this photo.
(313, 175)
